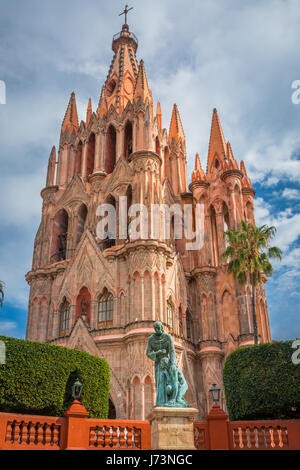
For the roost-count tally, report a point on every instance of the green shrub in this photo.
(37, 379)
(261, 382)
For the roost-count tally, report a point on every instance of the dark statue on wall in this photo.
(170, 383)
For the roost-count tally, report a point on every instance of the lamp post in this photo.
(76, 389)
(215, 393)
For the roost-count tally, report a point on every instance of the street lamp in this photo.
(76, 389)
(215, 393)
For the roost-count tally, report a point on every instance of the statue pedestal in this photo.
(172, 428)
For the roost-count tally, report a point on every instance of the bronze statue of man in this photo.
(169, 381)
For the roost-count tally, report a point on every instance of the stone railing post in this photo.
(77, 436)
(218, 429)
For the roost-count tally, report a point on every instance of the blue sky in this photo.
(240, 57)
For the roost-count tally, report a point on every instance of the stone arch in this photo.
(110, 232)
(137, 397)
(106, 308)
(170, 310)
(148, 395)
(59, 236)
(64, 317)
(128, 139)
(83, 305)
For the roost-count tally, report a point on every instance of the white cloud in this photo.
(271, 181)
(290, 193)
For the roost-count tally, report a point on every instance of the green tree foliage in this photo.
(261, 382)
(37, 379)
(248, 254)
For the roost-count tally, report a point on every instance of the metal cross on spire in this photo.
(125, 12)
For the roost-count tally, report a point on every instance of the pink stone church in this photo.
(103, 295)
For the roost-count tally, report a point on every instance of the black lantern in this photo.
(76, 389)
(215, 393)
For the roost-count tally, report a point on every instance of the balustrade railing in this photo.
(31, 431)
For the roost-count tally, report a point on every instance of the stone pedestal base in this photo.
(172, 428)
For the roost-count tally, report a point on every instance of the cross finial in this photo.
(125, 12)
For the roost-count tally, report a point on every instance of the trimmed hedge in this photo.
(261, 382)
(37, 379)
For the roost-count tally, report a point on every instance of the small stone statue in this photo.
(169, 380)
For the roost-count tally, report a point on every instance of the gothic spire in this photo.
(70, 121)
(102, 106)
(158, 115)
(176, 129)
(217, 146)
(123, 71)
(141, 86)
(51, 167)
(89, 112)
(198, 173)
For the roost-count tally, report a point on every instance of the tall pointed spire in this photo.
(102, 106)
(141, 86)
(89, 112)
(158, 115)
(70, 121)
(198, 173)
(51, 167)
(231, 161)
(123, 70)
(176, 129)
(217, 145)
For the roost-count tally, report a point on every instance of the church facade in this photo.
(103, 295)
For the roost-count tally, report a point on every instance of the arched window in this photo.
(105, 308)
(91, 155)
(110, 152)
(59, 237)
(170, 313)
(64, 317)
(83, 304)
(128, 139)
(110, 229)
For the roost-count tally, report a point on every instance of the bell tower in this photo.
(102, 294)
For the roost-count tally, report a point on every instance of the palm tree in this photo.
(1, 293)
(248, 252)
